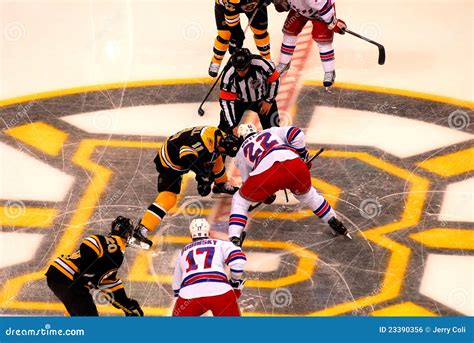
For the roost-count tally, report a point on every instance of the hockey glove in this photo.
(337, 25)
(203, 185)
(236, 240)
(281, 5)
(304, 154)
(270, 199)
(238, 286)
(133, 309)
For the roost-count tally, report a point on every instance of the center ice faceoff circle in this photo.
(356, 164)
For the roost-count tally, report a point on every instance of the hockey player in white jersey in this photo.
(200, 282)
(272, 160)
(322, 14)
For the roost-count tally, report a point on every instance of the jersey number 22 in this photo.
(253, 153)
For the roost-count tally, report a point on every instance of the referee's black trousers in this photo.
(269, 120)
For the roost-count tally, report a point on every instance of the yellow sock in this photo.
(218, 170)
(262, 41)
(156, 211)
(221, 44)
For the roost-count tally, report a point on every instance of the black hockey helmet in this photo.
(122, 227)
(241, 58)
(230, 144)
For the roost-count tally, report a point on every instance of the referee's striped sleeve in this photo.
(228, 107)
(227, 81)
(228, 95)
(272, 75)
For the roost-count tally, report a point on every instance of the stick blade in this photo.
(381, 54)
(200, 111)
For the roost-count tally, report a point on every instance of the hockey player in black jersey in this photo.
(198, 149)
(227, 13)
(94, 266)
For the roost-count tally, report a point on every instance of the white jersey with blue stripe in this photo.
(200, 268)
(314, 9)
(276, 144)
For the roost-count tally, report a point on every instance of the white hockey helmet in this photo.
(246, 130)
(199, 228)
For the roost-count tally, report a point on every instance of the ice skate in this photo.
(329, 78)
(139, 238)
(338, 227)
(214, 69)
(283, 67)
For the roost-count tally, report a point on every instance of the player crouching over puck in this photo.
(269, 161)
(198, 149)
(94, 267)
(200, 282)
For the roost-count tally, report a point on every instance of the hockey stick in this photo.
(253, 207)
(200, 109)
(286, 195)
(111, 300)
(379, 46)
(315, 155)
(242, 237)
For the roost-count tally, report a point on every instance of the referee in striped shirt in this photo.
(249, 82)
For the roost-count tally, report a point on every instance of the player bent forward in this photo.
(94, 266)
(272, 160)
(200, 282)
(198, 149)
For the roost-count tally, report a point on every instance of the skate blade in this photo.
(348, 235)
(134, 243)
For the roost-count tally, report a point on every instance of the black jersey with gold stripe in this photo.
(238, 6)
(190, 149)
(95, 263)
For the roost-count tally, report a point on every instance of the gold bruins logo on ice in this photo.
(95, 162)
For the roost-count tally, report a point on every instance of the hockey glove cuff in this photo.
(337, 25)
(238, 286)
(270, 199)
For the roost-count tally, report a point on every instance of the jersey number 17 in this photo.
(192, 265)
